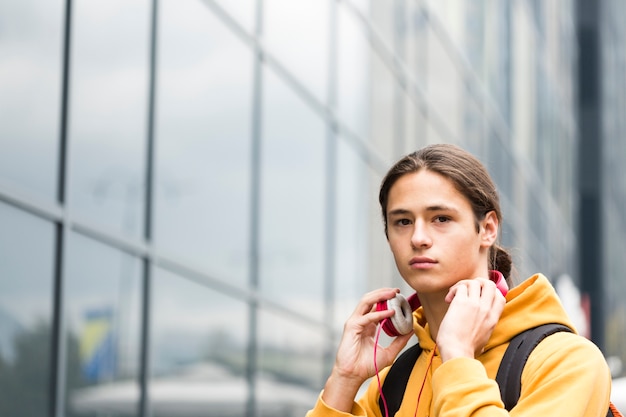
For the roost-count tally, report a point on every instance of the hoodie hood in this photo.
(530, 304)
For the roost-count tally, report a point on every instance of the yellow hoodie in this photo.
(566, 375)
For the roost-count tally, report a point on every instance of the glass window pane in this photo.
(414, 127)
(444, 91)
(203, 141)
(26, 294)
(385, 110)
(362, 6)
(109, 97)
(199, 345)
(290, 370)
(296, 33)
(475, 128)
(382, 17)
(243, 11)
(30, 87)
(352, 232)
(103, 313)
(415, 43)
(353, 73)
(293, 200)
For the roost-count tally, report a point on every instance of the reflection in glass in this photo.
(102, 313)
(203, 144)
(296, 33)
(290, 363)
(198, 345)
(293, 200)
(25, 313)
(108, 107)
(30, 87)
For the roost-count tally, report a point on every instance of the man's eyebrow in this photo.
(441, 208)
(436, 207)
(398, 212)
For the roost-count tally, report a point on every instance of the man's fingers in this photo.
(369, 300)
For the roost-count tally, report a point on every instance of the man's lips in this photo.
(420, 262)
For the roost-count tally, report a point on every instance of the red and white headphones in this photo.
(401, 322)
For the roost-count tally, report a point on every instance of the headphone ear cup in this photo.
(498, 278)
(401, 322)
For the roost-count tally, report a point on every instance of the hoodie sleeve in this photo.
(322, 409)
(565, 375)
(366, 406)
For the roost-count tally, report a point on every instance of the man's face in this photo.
(432, 233)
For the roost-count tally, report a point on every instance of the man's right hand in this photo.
(354, 362)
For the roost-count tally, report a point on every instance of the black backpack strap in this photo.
(509, 377)
(397, 378)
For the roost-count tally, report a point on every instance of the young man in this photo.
(442, 215)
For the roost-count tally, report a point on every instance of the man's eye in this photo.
(403, 222)
(442, 219)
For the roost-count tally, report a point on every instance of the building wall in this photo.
(188, 189)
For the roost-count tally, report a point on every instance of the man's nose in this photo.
(421, 237)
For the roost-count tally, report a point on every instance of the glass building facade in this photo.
(188, 188)
(613, 174)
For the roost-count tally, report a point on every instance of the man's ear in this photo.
(489, 229)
